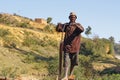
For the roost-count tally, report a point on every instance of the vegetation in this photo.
(97, 47)
(11, 20)
(36, 51)
(49, 19)
(88, 31)
(4, 32)
(117, 48)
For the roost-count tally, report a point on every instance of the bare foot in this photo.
(65, 78)
(71, 77)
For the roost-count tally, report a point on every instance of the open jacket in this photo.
(72, 36)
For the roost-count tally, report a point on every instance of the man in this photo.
(71, 43)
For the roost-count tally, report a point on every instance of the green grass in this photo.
(28, 52)
(4, 32)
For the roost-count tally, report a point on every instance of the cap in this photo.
(72, 14)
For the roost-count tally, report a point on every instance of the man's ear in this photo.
(76, 17)
(69, 17)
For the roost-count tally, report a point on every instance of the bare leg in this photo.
(71, 76)
(71, 69)
(74, 62)
(66, 68)
(66, 73)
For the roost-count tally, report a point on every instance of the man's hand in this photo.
(59, 24)
(79, 26)
(59, 27)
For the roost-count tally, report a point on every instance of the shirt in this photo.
(72, 36)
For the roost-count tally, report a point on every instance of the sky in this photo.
(103, 16)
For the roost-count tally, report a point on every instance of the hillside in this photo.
(23, 49)
(30, 50)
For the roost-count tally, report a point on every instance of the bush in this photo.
(49, 28)
(86, 64)
(10, 41)
(4, 32)
(53, 65)
(96, 47)
(87, 47)
(111, 77)
(30, 41)
(52, 43)
(23, 25)
(34, 41)
(9, 72)
(8, 20)
(12, 21)
(29, 58)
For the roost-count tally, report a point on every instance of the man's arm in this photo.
(79, 27)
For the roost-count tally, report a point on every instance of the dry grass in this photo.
(11, 58)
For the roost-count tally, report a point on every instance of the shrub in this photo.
(49, 28)
(53, 65)
(86, 64)
(4, 32)
(23, 25)
(12, 21)
(10, 41)
(8, 19)
(98, 47)
(30, 41)
(29, 58)
(111, 77)
(9, 72)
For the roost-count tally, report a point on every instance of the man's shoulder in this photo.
(69, 23)
(78, 23)
(66, 23)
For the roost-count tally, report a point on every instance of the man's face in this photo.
(72, 18)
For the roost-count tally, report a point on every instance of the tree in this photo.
(117, 48)
(50, 27)
(111, 38)
(49, 19)
(88, 31)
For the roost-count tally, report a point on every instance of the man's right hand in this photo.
(59, 27)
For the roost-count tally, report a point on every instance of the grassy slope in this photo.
(14, 59)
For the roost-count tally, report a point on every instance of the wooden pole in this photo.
(61, 53)
(60, 59)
